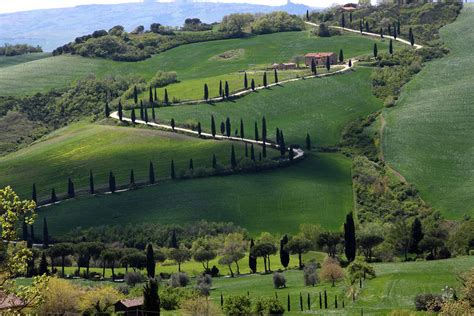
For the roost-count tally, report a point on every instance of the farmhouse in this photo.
(284, 66)
(129, 307)
(320, 58)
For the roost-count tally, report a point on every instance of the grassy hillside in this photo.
(316, 190)
(428, 137)
(72, 151)
(321, 107)
(6, 61)
(190, 61)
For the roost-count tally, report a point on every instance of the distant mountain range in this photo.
(54, 27)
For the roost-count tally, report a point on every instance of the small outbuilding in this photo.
(130, 307)
(285, 66)
(320, 58)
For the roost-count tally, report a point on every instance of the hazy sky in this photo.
(24, 5)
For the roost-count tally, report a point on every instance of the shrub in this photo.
(310, 275)
(197, 306)
(279, 280)
(133, 278)
(169, 299)
(214, 271)
(179, 279)
(162, 79)
(123, 288)
(425, 302)
(268, 306)
(203, 285)
(237, 305)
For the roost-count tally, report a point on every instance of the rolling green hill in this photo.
(321, 107)
(74, 150)
(6, 61)
(317, 190)
(191, 61)
(428, 136)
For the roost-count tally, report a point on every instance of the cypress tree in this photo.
(174, 240)
(360, 26)
(308, 142)
(132, 178)
(395, 34)
(277, 135)
(132, 116)
(33, 194)
(253, 84)
(227, 127)
(398, 27)
(325, 300)
(349, 238)
(309, 302)
(320, 301)
(91, 182)
(107, 110)
(350, 63)
(191, 164)
(214, 161)
(151, 298)
(252, 258)
(275, 75)
(206, 92)
(233, 161)
(142, 111)
(222, 300)
(43, 265)
(153, 115)
(335, 301)
(146, 115)
(328, 64)
(242, 132)
(389, 29)
(173, 124)
(313, 67)
(289, 304)
(45, 234)
(246, 81)
(264, 151)
(411, 37)
(120, 111)
(199, 130)
(367, 28)
(284, 254)
(307, 19)
(150, 97)
(151, 173)
(166, 98)
(341, 56)
(291, 153)
(381, 32)
(111, 182)
(252, 153)
(54, 198)
(282, 144)
(390, 47)
(135, 94)
(259, 156)
(350, 17)
(246, 150)
(222, 128)
(416, 235)
(150, 261)
(265, 79)
(173, 174)
(24, 231)
(155, 97)
(256, 131)
(213, 126)
(343, 21)
(220, 89)
(264, 129)
(70, 188)
(301, 302)
(227, 92)
(375, 50)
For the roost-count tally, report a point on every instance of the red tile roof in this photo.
(134, 302)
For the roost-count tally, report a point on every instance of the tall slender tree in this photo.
(367, 27)
(199, 129)
(206, 92)
(227, 91)
(107, 109)
(33, 194)
(227, 127)
(150, 96)
(135, 94)
(120, 111)
(111, 182)
(246, 81)
(45, 234)
(398, 27)
(275, 75)
(264, 129)
(313, 67)
(264, 151)
(390, 47)
(284, 254)
(350, 17)
(256, 131)
(166, 98)
(132, 178)
(277, 135)
(381, 32)
(242, 132)
(252, 153)
(411, 37)
(146, 115)
(150, 261)
(24, 231)
(341, 56)
(70, 188)
(308, 142)
(221, 92)
(172, 173)
(222, 128)
(191, 164)
(253, 84)
(282, 144)
(153, 114)
(376, 51)
(360, 26)
(328, 63)
(151, 173)
(265, 83)
(233, 160)
(151, 298)
(54, 198)
(343, 20)
(173, 124)
(246, 150)
(214, 161)
(252, 258)
(155, 97)
(142, 111)
(133, 116)
(395, 34)
(291, 153)
(349, 238)
(416, 235)
(213, 126)
(91, 182)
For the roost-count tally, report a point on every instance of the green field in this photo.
(428, 137)
(6, 61)
(193, 61)
(320, 107)
(74, 150)
(317, 190)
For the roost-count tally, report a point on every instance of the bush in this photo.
(268, 306)
(162, 79)
(237, 305)
(204, 283)
(123, 288)
(310, 275)
(179, 279)
(169, 299)
(197, 306)
(279, 280)
(133, 278)
(425, 302)
(214, 271)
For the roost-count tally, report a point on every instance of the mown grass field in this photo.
(428, 137)
(6, 61)
(321, 107)
(192, 61)
(317, 190)
(74, 150)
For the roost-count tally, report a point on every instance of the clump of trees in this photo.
(241, 23)
(19, 49)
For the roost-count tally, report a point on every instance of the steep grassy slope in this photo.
(316, 190)
(190, 61)
(321, 107)
(73, 151)
(428, 137)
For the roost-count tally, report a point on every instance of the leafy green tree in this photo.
(180, 255)
(265, 79)
(284, 254)
(237, 305)
(329, 242)
(206, 92)
(88, 251)
(174, 240)
(252, 84)
(264, 250)
(204, 250)
(110, 256)
(367, 242)
(120, 111)
(400, 237)
(61, 250)
(341, 56)
(91, 182)
(133, 116)
(213, 126)
(111, 182)
(45, 234)
(150, 261)
(350, 238)
(358, 270)
(233, 251)
(299, 245)
(233, 160)
(173, 173)
(151, 298)
(151, 173)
